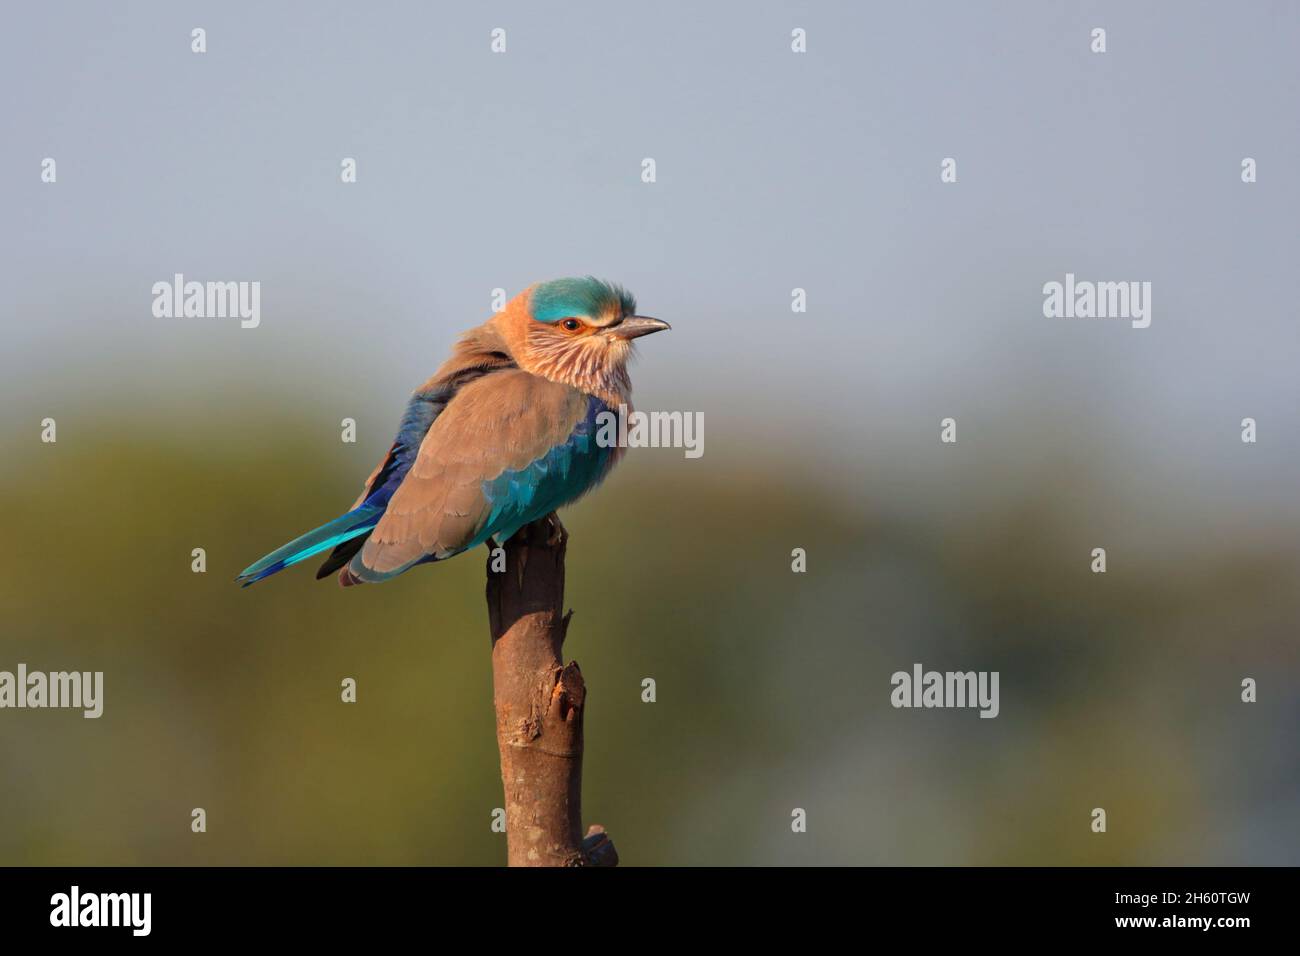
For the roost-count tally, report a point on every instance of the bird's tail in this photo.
(357, 522)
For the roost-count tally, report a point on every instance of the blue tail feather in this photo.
(357, 522)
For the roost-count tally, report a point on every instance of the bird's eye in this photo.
(571, 325)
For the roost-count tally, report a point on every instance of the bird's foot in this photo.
(558, 533)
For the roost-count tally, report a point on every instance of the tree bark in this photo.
(540, 702)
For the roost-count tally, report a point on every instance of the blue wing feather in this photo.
(343, 531)
(351, 525)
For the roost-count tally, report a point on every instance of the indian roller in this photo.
(502, 435)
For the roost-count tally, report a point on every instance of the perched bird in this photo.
(501, 436)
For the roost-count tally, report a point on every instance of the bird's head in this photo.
(576, 331)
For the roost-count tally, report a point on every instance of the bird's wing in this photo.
(424, 407)
(365, 488)
(472, 362)
(508, 449)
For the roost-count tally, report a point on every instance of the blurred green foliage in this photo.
(1118, 690)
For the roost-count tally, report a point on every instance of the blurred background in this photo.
(775, 171)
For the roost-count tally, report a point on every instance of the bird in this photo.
(502, 435)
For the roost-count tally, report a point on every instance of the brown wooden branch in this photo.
(539, 703)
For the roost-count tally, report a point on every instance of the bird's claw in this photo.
(558, 533)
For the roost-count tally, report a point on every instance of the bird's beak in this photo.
(635, 326)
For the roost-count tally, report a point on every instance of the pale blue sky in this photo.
(775, 170)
